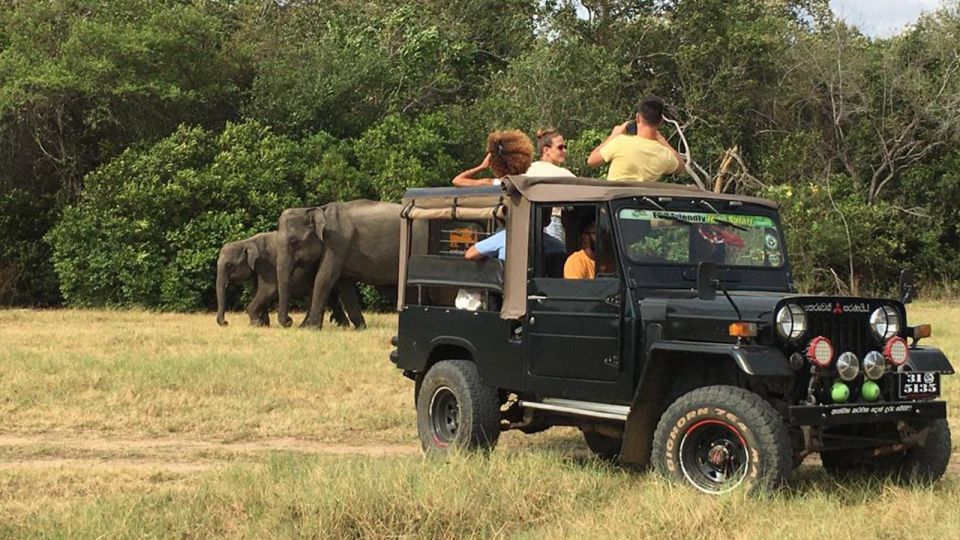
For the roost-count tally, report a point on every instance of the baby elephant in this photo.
(255, 259)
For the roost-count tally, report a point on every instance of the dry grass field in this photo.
(144, 425)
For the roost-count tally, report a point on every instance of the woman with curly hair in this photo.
(508, 152)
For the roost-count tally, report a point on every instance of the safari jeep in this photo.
(687, 350)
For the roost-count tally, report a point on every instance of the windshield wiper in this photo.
(721, 220)
(666, 214)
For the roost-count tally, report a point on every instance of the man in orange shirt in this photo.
(582, 264)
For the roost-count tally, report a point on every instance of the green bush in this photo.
(831, 226)
(150, 224)
(399, 153)
(26, 272)
(332, 173)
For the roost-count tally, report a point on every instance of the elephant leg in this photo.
(257, 308)
(327, 276)
(336, 310)
(351, 302)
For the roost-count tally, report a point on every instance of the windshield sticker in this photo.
(697, 217)
(770, 241)
(774, 259)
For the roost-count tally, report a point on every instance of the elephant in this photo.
(356, 240)
(255, 258)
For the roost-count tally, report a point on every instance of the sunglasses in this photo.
(561, 147)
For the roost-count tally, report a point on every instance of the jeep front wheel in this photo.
(456, 410)
(719, 438)
(923, 464)
(926, 462)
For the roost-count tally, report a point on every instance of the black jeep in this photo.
(685, 347)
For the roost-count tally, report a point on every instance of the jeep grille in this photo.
(847, 332)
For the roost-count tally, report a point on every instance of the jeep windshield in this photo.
(667, 237)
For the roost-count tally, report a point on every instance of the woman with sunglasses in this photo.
(553, 153)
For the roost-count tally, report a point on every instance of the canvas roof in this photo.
(516, 194)
(564, 189)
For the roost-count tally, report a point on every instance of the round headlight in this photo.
(896, 351)
(874, 365)
(791, 322)
(820, 351)
(848, 366)
(885, 322)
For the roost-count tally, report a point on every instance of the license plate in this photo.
(917, 384)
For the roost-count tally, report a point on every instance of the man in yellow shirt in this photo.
(582, 264)
(645, 156)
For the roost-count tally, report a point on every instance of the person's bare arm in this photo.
(681, 166)
(465, 179)
(472, 254)
(595, 159)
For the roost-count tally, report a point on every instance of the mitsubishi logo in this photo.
(837, 310)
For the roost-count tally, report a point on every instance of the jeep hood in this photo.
(689, 318)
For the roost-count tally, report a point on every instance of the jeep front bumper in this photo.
(865, 413)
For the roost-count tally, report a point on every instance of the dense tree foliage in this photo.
(136, 136)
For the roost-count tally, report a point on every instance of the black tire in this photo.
(851, 464)
(455, 410)
(928, 461)
(603, 446)
(719, 438)
(922, 464)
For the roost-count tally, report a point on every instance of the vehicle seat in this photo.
(553, 262)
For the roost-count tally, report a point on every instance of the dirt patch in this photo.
(183, 455)
(105, 465)
(168, 453)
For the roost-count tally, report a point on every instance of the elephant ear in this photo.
(321, 216)
(253, 253)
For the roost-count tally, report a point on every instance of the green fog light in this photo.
(840, 392)
(870, 391)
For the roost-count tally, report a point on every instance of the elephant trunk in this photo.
(284, 271)
(221, 295)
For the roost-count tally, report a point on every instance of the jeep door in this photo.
(573, 326)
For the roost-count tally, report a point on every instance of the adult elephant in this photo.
(356, 240)
(255, 259)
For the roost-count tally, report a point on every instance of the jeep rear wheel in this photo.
(455, 410)
(603, 446)
(719, 438)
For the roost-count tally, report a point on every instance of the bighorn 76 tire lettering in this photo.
(718, 438)
(455, 410)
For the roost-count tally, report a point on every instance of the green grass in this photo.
(142, 373)
(140, 425)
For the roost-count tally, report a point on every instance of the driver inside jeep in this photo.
(582, 264)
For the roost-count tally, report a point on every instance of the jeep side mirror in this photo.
(906, 286)
(706, 280)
